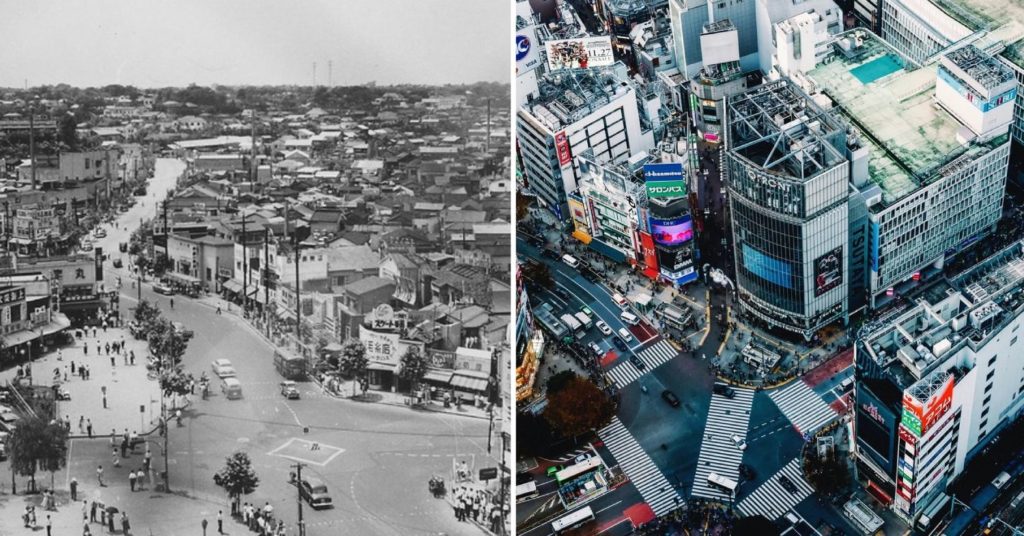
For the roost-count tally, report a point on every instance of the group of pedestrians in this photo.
(478, 505)
(258, 520)
(105, 516)
(697, 516)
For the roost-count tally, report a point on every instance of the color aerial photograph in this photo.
(255, 268)
(769, 273)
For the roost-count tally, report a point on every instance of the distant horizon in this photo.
(305, 86)
(254, 43)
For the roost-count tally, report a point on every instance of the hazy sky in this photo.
(174, 43)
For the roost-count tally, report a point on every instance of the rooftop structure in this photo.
(999, 19)
(568, 97)
(891, 102)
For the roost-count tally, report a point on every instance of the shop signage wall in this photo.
(665, 180)
(562, 148)
(828, 271)
(649, 253)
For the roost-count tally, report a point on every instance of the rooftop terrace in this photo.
(890, 101)
(567, 97)
(1001, 20)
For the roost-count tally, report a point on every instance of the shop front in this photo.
(470, 386)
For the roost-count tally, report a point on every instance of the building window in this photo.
(988, 387)
(990, 374)
(986, 401)
(993, 360)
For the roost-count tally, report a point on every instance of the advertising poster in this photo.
(650, 255)
(672, 232)
(665, 180)
(382, 347)
(581, 53)
(562, 148)
(828, 271)
(674, 261)
(527, 50)
(937, 405)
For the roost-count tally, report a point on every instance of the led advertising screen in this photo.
(675, 260)
(562, 148)
(665, 180)
(828, 271)
(672, 232)
(580, 53)
(766, 267)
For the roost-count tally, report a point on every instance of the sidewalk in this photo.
(127, 387)
(344, 392)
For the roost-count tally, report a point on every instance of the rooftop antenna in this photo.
(330, 73)
(314, 74)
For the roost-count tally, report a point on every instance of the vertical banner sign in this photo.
(650, 255)
(562, 148)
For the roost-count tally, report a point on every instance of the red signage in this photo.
(932, 410)
(907, 436)
(647, 245)
(562, 148)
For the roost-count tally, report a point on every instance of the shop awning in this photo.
(58, 323)
(182, 278)
(233, 286)
(259, 295)
(439, 376)
(21, 241)
(582, 236)
(20, 337)
(608, 251)
(285, 314)
(468, 382)
(383, 367)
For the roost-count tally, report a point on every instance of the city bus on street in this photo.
(722, 482)
(526, 490)
(291, 367)
(573, 520)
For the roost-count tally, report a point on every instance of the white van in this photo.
(624, 333)
(570, 260)
(619, 300)
(629, 318)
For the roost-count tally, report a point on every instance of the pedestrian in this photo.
(88, 427)
(124, 448)
(49, 525)
(125, 526)
(99, 478)
(131, 480)
(116, 460)
(220, 521)
(126, 360)
(85, 348)
(74, 488)
(113, 361)
(110, 519)
(131, 357)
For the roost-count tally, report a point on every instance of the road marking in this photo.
(647, 477)
(770, 499)
(718, 454)
(653, 357)
(803, 407)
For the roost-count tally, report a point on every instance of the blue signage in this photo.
(522, 47)
(665, 180)
(874, 247)
(767, 267)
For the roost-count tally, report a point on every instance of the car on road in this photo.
(739, 442)
(549, 254)
(637, 362)
(624, 333)
(289, 390)
(604, 327)
(315, 493)
(223, 368)
(620, 344)
(595, 348)
(185, 332)
(671, 398)
(587, 311)
(724, 390)
(100, 233)
(787, 484)
(163, 288)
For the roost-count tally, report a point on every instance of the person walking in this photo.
(74, 488)
(125, 526)
(99, 478)
(49, 525)
(131, 480)
(88, 427)
(220, 521)
(117, 461)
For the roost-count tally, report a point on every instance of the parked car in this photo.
(315, 493)
(289, 390)
(603, 326)
(163, 288)
(671, 398)
(223, 368)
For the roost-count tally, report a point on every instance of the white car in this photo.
(739, 442)
(603, 326)
(595, 348)
(223, 369)
(625, 335)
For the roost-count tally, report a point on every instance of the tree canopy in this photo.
(237, 477)
(578, 408)
(414, 365)
(37, 445)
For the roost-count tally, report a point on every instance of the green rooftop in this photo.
(890, 102)
(1000, 20)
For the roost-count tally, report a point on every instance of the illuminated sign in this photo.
(828, 271)
(527, 51)
(872, 410)
(650, 254)
(665, 180)
(562, 148)
(911, 421)
(919, 417)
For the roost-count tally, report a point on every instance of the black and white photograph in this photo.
(255, 268)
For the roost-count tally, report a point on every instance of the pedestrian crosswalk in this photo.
(803, 407)
(634, 461)
(718, 452)
(772, 500)
(653, 356)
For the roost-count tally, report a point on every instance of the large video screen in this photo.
(828, 271)
(672, 232)
(768, 268)
(581, 53)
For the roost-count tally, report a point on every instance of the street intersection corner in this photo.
(306, 451)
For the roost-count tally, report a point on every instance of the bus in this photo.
(525, 491)
(584, 319)
(722, 482)
(291, 367)
(574, 325)
(573, 520)
(578, 469)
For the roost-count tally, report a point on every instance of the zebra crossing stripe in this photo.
(771, 500)
(803, 407)
(653, 356)
(634, 461)
(718, 452)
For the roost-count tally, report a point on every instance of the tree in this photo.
(237, 478)
(558, 381)
(539, 273)
(175, 381)
(37, 445)
(533, 434)
(413, 366)
(578, 408)
(55, 449)
(353, 362)
(166, 343)
(146, 314)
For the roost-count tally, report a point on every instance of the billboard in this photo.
(766, 267)
(671, 232)
(382, 347)
(580, 53)
(828, 271)
(562, 148)
(650, 254)
(527, 50)
(665, 180)
(919, 417)
(674, 261)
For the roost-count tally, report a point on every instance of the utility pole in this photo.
(32, 141)
(488, 143)
(298, 295)
(266, 279)
(298, 483)
(253, 170)
(245, 270)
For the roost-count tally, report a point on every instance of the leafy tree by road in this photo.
(146, 314)
(353, 362)
(578, 408)
(414, 366)
(237, 477)
(558, 381)
(36, 445)
(167, 343)
(539, 273)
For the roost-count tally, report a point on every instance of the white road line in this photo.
(656, 490)
(803, 407)
(771, 500)
(718, 453)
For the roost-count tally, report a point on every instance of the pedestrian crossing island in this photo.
(305, 451)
